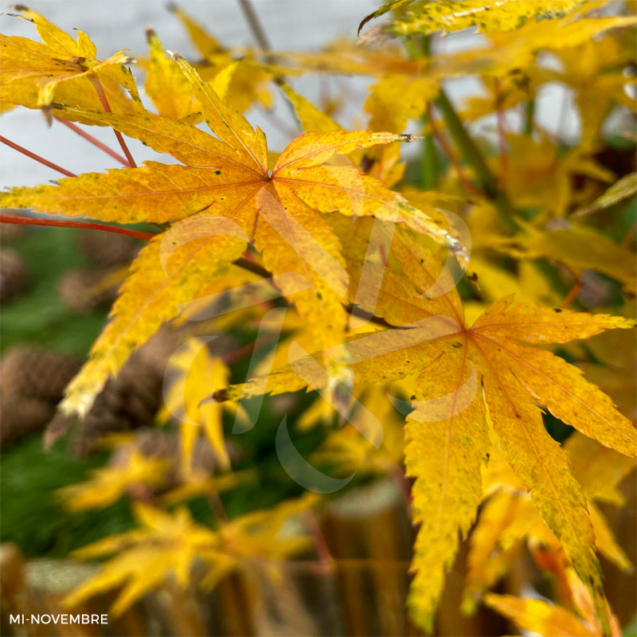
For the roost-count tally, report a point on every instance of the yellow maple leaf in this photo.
(60, 69)
(396, 99)
(539, 177)
(193, 370)
(231, 173)
(594, 73)
(380, 162)
(550, 620)
(516, 51)
(450, 413)
(164, 544)
(503, 93)
(508, 517)
(108, 485)
(249, 82)
(165, 84)
(622, 189)
(310, 117)
(172, 543)
(418, 17)
(576, 246)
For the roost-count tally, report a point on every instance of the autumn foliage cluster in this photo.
(439, 289)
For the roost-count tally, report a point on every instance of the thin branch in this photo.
(246, 262)
(476, 160)
(322, 547)
(93, 140)
(28, 153)
(575, 289)
(255, 24)
(572, 295)
(102, 95)
(63, 223)
(247, 349)
(446, 149)
(259, 34)
(502, 144)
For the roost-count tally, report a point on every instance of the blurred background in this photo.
(291, 25)
(56, 289)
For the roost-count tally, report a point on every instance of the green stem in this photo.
(475, 159)
(529, 118)
(430, 163)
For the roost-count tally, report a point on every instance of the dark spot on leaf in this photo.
(220, 396)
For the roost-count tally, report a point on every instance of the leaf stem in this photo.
(475, 159)
(62, 223)
(529, 118)
(28, 153)
(93, 140)
(102, 95)
(430, 168)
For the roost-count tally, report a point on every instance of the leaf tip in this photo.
(364, 21)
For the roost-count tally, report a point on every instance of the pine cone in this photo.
(108, 249)
(10, 232)
(20, 416)
(84, 292)
(14, 276)
(32, 372)
(132, 398)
